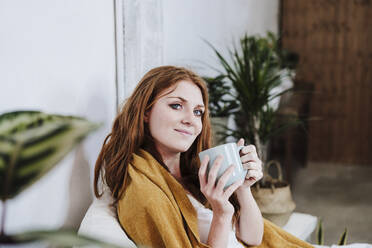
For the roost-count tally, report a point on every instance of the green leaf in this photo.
(320, 233)
(32, 143)
(59, 238)
(253, 69)
(219, 104)
(343, 238)
(280, 93)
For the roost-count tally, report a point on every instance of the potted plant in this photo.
(31, 144)
(255, 74)
(220, 106)
(320, 235)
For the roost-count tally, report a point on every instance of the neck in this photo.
(173, 164)
(172, 161)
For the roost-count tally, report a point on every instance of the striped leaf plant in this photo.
(320, 235)
(31, 144)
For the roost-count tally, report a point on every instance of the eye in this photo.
(198, 112)
(175, 106)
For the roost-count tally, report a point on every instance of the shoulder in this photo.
(145, 201)
(141, 190)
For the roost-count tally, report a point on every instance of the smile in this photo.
(184, 132)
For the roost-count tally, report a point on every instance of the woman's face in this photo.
(175, 120)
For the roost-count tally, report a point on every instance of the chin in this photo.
(187, 147)
(184, 147)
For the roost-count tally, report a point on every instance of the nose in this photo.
(189, 118)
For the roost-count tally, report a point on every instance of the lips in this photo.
(184, 132)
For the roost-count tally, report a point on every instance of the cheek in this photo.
(160, 121)
(199, 127)
(158, 124)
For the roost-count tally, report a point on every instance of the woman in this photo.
(149, 161)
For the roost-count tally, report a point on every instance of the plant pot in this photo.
(218, 124)
(274, 198)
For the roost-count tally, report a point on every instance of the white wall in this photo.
(187, 23)
(58, 56)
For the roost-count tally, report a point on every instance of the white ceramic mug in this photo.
(230, 153)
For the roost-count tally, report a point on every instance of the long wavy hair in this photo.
(130, 133)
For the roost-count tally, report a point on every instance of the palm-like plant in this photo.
(219, 105)
(254, 70)
(31, 144)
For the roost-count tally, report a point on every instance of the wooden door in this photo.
(334, 41)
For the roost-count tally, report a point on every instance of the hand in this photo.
(215, 193)
(251, 162)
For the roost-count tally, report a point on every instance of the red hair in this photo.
(130, 133)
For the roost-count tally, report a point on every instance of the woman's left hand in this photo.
(251, 162)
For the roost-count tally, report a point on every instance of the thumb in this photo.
(240, 142)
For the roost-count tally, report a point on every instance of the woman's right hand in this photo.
(215, 193)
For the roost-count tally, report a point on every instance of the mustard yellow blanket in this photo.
(156, 212)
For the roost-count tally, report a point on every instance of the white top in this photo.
(205, 216)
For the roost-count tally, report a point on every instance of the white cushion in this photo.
(100, 222)
(301, 225)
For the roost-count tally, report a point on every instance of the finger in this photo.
(202, 170)
(240, 142)
(225, 177)
(254, 175)
(249, 149)
(231, 189)
(250, 157)
(214, 170)
(252, 166)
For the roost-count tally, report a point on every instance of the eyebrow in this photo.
(184, 100)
